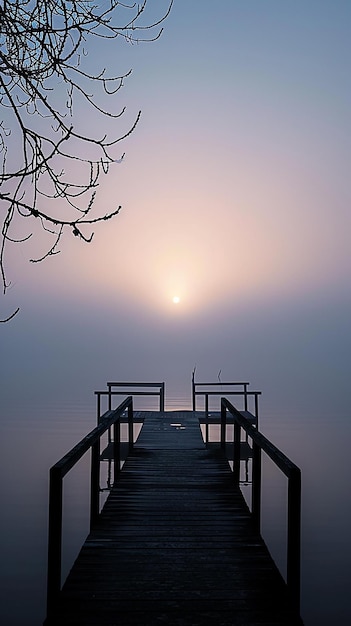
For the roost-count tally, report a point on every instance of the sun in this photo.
(176, 299)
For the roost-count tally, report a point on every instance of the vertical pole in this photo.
(247, 470)
(95, 483)
(109, 467)
(193, 390)
(109, 408)
(245, 397)
(130, 425)
(223, 424)
(116, 449)
(98, 407)
(245, 407)
(256, 486)
(109, 398)
(236, 463)
(55, 539)
(294, 538)
(206, 413)
(256, 409)
(162, 397)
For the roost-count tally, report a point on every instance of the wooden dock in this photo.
(174, 543)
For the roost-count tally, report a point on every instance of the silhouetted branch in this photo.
(43, 69)
(10, 317)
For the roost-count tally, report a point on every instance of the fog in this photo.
(295, 351)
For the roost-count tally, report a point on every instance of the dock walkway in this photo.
(174, 543)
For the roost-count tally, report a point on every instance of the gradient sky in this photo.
(236, 198)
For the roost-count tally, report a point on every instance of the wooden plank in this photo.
(174, 543)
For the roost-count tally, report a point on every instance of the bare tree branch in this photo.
(10, 317)
(43, 71)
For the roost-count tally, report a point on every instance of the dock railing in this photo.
(231, 389)
(59, 471)
(293, 474)
(127, 388)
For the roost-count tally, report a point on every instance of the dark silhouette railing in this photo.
(291, 471)
(59, 471)
(141, 389)
(214, 392)
(231, 389)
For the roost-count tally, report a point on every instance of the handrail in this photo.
(59, 471)
(110, 393)
(291, 471)
(206, 392)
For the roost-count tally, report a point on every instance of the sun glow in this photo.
(176, 299)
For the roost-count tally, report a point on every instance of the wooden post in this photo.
(109, 397)
(256, 409)
(193, 390)
(223, 424)
(162, 397)
(294, 537)
(55, 539)
(109, 438)
(116, 449)
(245, 397)
(236, 463)
(130, 426)
(256, 486)
(98, 407)
(206, 413)
(95, 483)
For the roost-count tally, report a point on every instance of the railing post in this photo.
(256, 409)
(294, 538)
(98, 407)
(116, 449)
(223, 424)
(162, 397)
(95, 483)
(109, 397)
(193, 390)
(55, 539)
(130, 425)
(256, 486)
(245, 396)
(109, 438)
(206, 413)
(236, 462)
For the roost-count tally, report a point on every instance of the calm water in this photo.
(35, 437)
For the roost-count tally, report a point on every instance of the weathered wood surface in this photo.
(174, 544)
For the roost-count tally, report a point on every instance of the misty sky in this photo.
(236, 198)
